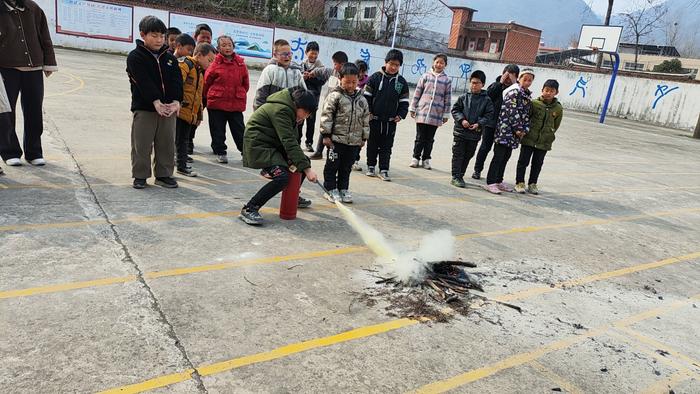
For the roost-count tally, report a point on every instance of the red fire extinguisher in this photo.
(290, 196)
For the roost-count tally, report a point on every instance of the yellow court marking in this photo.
(526, 357)
(555, 378)
(284, 351)
(362, 249)
(650, 352)
(81, 85)
(596, 277)
(653, 343)
(362, 332)
(665, 386)
(65, 287)
(210, 214)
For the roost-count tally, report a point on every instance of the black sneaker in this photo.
(186, 172)
(458, 182)
(167, 182)
(139, 183)
(316, 156)
(190, 160)
(303, 202)
(251, 216)
(476, 175)
(309, 147)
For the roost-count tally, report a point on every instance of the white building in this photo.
(354, 14)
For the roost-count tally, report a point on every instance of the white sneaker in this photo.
(15, 162)
(357, 166)
(384, 175)
(222, 159)
(346, 197)
(426, 164)
(414, 163)
(333, 196)
(38, 162)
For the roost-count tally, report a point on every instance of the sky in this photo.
(601, 6)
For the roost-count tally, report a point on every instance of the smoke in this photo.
(410, 267)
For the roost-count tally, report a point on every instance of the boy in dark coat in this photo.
(270, 144)
(387, 95)
(495, 92)
(156, 93)
(472, 112)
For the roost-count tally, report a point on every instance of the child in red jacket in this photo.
(226, 87)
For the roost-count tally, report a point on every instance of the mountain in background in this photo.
(559, 20)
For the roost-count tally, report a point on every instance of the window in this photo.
(632, 66)
(480, 44)
(370, 12)
(333, 13)
(501, 44)
(350, 12)
(607, 64)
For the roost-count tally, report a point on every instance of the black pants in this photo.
(190, 140)
(381, 140)
(31, 85)
(537, 156)
(183, 130)
(462, 151)
(336, 173)
(280, 179)
(501, 155)
(217, 127)
(310, 128)
(425, 137)
(485, 148)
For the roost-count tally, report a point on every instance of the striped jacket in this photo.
(432, 99)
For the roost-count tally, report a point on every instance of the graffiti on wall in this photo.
(661, 92)
(298, 49)
(580, 85)
(366, 56)
(419, 68)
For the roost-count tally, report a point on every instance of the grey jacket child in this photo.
(345, 117)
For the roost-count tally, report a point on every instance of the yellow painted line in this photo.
(65, 287)
(360, 249)
(151, 384)
(555, 378)
(649, 348)
(274, 354)
(207, 215)
(81, 84)
(527, 357)
(653, 343)
(597, 277)
(665, 386)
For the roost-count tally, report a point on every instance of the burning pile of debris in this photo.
(445, 283)
(447, 280)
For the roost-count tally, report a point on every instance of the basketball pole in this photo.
(616, 66)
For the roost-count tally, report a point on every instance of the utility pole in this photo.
(396, 23)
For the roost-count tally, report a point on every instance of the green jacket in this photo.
(271, 135)
(544, 122)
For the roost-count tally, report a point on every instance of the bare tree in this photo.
(411, 17)
(645, 17)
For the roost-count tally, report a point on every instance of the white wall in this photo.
(632, 98)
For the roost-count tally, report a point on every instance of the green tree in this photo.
(673, 66)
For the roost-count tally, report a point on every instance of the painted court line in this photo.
(367, 331)
(526, 357)
(345, 251)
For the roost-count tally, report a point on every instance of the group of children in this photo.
(502, 117)
(172, 84)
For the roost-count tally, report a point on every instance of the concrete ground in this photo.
(106, 287)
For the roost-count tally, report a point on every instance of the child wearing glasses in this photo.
(280, 74)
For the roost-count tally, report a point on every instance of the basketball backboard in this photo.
(605, 38)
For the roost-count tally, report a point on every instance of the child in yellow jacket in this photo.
(192, 68)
